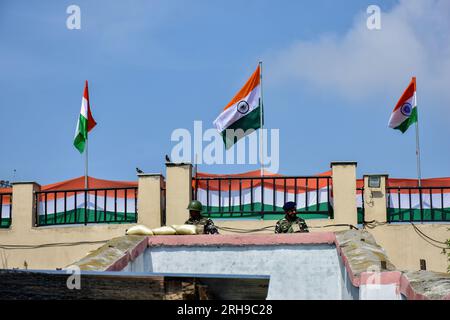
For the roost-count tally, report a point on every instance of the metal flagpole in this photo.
(195, 166)
(419, 173)
(86, 163)
(262, 122)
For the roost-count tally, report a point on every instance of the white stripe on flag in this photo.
(231, 115)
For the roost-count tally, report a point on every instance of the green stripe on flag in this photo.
(250, 121)
(81, 135)
(408, 121)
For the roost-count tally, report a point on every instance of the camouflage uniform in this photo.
(286, 225)
(208, 225)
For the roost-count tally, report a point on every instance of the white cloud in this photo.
(414, 40)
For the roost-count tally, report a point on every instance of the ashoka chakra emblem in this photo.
(406, 109)
(243, 107)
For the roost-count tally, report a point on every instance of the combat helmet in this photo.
(195, 205)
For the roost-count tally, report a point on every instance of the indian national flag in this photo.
(243, 112)
(405, 112)
(85, 122)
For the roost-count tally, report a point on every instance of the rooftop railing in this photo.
(83, 206)
(423, 204)
(5, 210)
(360, 205)
(264, 197)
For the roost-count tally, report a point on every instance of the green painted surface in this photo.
(271, 213)
(405, 215)
(360, 212)
(5, 222)
(79, 216)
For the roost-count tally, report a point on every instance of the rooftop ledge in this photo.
(357, 249)
(243, 240)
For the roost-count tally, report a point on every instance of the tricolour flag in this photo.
(405, 112)
(85, 122)
(242, 112)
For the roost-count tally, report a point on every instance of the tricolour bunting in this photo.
(114, 206)
(5, 207)
(417, 205)
(245, 199)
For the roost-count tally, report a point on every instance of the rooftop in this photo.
(361, 259)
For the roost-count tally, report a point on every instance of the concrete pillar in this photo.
(23, 209)
(344, 192)
(150, 202)
(375, 197)
(178, 192)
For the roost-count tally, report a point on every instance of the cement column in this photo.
(23, 211)
(344, 192)
(375, 198)
(178, 192)
(150, 201)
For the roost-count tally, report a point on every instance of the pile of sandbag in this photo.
(183, 229)
(164, 231)
(139, 230)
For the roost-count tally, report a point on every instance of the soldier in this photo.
(286, 224)
(206, 225)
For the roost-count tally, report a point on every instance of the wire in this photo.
(48, 245)
(239, 230)
(373, 224)
(428, 237)
(336, 225)
(431, 243)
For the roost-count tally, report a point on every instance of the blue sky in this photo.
(155, 66)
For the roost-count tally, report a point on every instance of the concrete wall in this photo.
(55, 256)
(150, 199)
(344, 192)
(375, 199)
(296, 272)
(80, 239)
(405, 247)
(57, 246)
(178, 193)
(348, 290)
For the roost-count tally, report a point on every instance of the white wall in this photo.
(296, 272)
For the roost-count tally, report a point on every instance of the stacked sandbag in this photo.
(164, 231)
(139, 230)
(185, 229)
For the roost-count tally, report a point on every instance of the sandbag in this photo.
(162, 231)
(185, 229)
(140, 230)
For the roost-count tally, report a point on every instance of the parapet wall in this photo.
(24, 245)
(325, 265)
